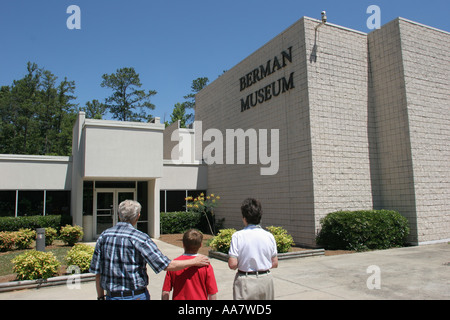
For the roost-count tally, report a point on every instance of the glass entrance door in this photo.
(105, 211)
(106, 206)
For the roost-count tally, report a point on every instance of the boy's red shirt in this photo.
(194, 283)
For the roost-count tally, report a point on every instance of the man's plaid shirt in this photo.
(121, 255)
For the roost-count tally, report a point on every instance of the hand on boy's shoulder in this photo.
(201, 260)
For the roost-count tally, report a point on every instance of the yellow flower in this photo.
(218, 198)
(214, 201)
(202, 194)
(208, 197)
(212, 194)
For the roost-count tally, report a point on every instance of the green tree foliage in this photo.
(94, 109)
(126, 97)
(179, 113)
(179, 109)
(37, 114)
(197, 85)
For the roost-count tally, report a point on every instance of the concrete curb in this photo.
(31, 284)
(281, 256)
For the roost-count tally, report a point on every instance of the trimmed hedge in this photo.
(179, 222)
(33, 222)
(363, 230)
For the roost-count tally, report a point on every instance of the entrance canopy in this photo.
(121, 150)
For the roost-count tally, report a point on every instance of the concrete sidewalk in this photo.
(417, 273)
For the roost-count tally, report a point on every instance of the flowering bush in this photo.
(222, 241)
(204, 205)
(50, 235)
(282, 238)
(71, 234)
(24, 238)
(33, 265)
(80, 255)
(7, 241)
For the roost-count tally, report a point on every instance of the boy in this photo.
(253, 252)
(195, 283)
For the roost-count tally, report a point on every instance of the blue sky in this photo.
(168, 42)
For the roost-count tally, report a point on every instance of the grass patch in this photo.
(6, 266)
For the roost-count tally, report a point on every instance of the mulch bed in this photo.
(177, 240)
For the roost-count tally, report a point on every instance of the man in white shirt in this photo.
(253, 252)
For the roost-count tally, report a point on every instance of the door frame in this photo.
(115, 192)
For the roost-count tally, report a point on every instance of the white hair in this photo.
(129, 210)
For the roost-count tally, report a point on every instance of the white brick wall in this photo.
(393, 148)
(287, 197)
(410, 72)
(356, 132)
(426, 62)
(338, 96)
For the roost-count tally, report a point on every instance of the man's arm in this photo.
(100, 291)
(212, 296)
(165, 295)
(275, 262)
(232, 263)
(198, 261)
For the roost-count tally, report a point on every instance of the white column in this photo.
(153, 208)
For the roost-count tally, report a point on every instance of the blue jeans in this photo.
(142, 296)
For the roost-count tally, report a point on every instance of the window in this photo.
(31, 203)
(171, 200)
(7, 203)
(57, 203)
(142, 194)
(88, 198)
(175, 201)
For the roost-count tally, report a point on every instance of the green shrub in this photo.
(71, 234)
(50, 235)
(24, 238)
(80, 255)
(179, 222)
(33, 222)
(282, 238)
(7, 241)
(222, 240)
(33, 265)
(363, 230)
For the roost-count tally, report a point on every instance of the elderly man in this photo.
(121, 255)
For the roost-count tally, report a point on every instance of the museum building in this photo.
(322, 118)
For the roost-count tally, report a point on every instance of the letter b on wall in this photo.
(74, 21)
